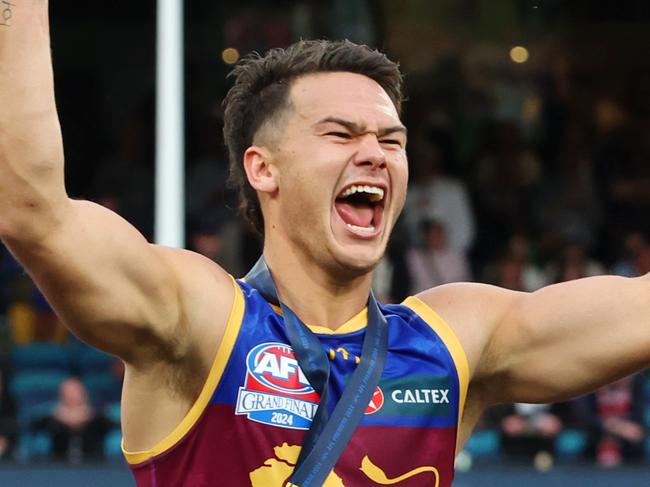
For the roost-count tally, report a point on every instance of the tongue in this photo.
(361, 216)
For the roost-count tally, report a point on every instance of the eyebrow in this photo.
(358, 129)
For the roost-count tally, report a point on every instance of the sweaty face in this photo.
(342, 171)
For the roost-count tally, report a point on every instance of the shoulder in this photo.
(194, 270)
(207, 294)
(472, 311)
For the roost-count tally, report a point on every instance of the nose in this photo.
(370, 152)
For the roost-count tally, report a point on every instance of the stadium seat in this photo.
(35, 393)
(570, 444)
(93, 361)
(113, 412)
(102, 388)
(33, 445)
(40, 357)
(113, 445)
(484, 444)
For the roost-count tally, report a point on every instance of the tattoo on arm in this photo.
(6, 12)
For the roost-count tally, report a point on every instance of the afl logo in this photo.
(275, 366)
(376, 402)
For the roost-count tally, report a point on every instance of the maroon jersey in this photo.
(249, 421)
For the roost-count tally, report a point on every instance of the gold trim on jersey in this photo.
(449, 338)
(218, 366)
(356, 323)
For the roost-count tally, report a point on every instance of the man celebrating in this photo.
(224, 383)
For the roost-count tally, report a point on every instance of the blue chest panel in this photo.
(420, 384)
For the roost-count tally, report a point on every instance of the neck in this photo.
(314, 294)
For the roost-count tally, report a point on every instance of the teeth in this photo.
(356, 228)
(377, 194)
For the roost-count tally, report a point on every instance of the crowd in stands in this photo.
(59, 398)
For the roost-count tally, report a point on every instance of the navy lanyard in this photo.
(326, 439)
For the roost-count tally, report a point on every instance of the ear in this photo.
(260, 170)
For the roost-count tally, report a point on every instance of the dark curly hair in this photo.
(261, 91)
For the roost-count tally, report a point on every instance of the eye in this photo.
(395, 142)
(339, 135)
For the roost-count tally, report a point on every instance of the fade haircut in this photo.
(261, 92)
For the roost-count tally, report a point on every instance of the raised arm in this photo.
(110, 287)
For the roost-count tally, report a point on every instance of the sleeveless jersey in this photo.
(247, 425)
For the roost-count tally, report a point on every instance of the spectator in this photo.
(614, 418)
(77, 431)
(518, 266)
(435, 262)
(436, 196)
(519, 263)
(574, 263)
(529, 429)
(509, 274)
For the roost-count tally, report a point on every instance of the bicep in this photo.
(104, 280)
(568, 338)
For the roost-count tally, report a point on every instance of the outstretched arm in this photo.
(108, 284)
(569, 338)
(552, 344)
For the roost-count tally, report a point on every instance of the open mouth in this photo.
(361, 208)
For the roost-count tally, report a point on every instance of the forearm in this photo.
(31, 152)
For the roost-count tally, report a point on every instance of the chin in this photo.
(356, 262)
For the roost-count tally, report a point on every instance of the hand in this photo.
(625, 429)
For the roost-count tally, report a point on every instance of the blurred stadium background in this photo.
(529, 128)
